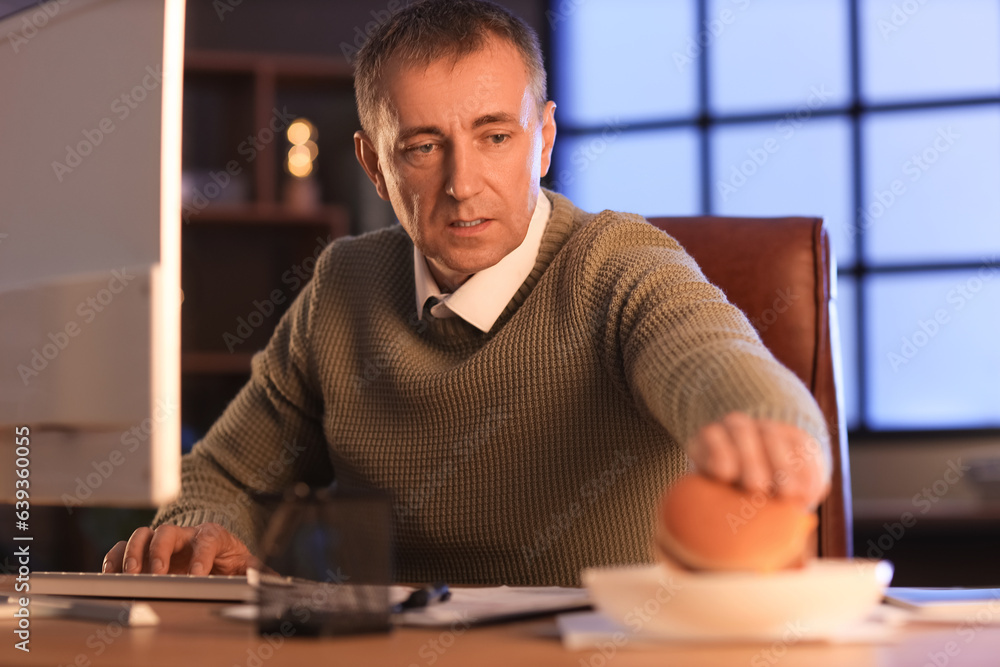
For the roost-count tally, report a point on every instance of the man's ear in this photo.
(364, 150)
(548, 135)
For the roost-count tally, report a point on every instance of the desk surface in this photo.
(193, 633)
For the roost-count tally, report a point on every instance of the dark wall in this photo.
(304, 26)
(330, 28)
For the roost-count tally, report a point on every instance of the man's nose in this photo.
(465, 172)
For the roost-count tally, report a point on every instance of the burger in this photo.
(705, 524)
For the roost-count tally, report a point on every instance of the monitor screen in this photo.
(90, 250)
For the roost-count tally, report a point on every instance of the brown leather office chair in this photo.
(780, 272)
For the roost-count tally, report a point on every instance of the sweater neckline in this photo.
(557, 232)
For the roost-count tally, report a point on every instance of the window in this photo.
(881, 116)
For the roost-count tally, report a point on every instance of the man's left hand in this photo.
(762, 455)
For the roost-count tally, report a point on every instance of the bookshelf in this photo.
(248, 245)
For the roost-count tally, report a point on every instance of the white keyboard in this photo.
(143, 586)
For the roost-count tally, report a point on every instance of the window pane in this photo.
(651, 172)
(932, 185)
(847, 314)
(611, 65)
(799, 167)
(934, 359)
(778, 54)
(929, 49)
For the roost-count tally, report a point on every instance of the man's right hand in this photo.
(204, 549)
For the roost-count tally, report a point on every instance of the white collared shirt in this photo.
(482, 298)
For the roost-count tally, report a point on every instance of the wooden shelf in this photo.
(263, 213)
(267, 73)
(250, 258)
(277, 64)
(211, 363)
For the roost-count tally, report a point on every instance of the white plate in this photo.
(814, 602)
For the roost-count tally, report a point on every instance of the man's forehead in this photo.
(464, 88)
(411, 96)
(492, 55)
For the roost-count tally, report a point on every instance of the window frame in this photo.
(703, 121)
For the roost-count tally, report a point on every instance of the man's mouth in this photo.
(469, 223)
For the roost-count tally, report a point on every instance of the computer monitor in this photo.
(90, 171)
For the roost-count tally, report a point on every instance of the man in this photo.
(518, 373)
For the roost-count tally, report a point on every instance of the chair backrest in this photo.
(779, 272)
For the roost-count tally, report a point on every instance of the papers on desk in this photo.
(479, 606)
(471, 606)
(948, 605)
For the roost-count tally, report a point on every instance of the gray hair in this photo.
(425, 32)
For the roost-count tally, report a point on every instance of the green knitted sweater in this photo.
(517, 456)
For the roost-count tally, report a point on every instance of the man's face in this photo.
(460, 156)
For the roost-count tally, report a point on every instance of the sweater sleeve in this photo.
(268, 438)
(687, 355)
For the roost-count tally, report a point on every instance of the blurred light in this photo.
(300, 131)
(304, 150)
(298, 159)
(300, 170)
(313, 149)
(297, 153)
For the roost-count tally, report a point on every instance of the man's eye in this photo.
(422, 149)
(499, 138)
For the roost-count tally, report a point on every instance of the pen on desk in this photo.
(128, 614)
(423, 597)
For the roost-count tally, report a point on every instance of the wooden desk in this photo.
(192, 633)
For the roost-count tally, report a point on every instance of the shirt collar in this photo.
(481, 299)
